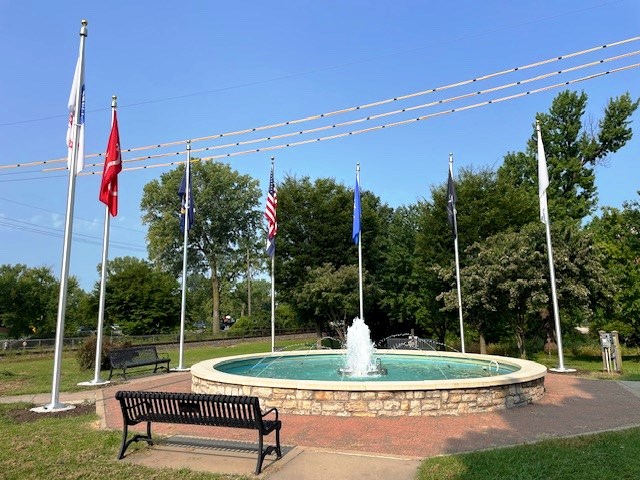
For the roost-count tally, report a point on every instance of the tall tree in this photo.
(486, 205)
(573, 148)
(315, 229)
(226, 219)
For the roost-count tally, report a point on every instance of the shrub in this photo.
(86, 354)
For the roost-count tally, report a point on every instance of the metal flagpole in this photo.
(273, 304)
(187, 209)
(103, 284)
(359, 247)
(544, 216)
(55, 405)
(273, 283)
(455, 245)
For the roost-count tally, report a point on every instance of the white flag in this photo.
(543, 178)
(76, 117)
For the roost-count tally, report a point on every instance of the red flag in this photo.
(112, 166)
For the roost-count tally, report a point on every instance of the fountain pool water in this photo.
(318, 382)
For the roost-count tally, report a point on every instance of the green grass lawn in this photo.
(29, 374)
(71, 448)
(612, 455)
(591, 365)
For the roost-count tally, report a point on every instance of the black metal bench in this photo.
(197, 409)
(140, 356)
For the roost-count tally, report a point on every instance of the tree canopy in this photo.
(227, 220)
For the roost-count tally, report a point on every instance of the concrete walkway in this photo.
(373, 448)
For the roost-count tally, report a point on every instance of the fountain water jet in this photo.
(360, 357)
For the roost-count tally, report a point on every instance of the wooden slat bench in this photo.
(197, 409)
(139, 356)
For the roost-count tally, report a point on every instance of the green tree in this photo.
(315, 229)
(506, 281)
(330, 298)
(226, 219)
(486, 206)
(395, 273)
(617, 234)
(573, 148)
(140, 298)
(28, 300)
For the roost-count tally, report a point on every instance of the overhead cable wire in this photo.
(349, 109)
(372, 117)
(53, 232)
(388, 125)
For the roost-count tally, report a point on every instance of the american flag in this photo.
(270, 214)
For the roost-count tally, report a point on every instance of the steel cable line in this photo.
(349, 109)
(372, 117)
(388, 125)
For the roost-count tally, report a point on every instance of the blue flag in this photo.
(356, 212)
(182, 191)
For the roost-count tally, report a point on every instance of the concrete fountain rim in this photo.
(527, 371)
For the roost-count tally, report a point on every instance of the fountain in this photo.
(360, 359)
(355, 382)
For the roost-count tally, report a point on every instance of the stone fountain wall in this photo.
(382, 403)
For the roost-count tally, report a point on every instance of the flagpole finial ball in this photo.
(84, 23)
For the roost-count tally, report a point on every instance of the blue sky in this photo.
(192, 69)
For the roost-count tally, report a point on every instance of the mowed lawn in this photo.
(33, 373)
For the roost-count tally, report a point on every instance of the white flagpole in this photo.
(55, 405)
(273, 283)
(544, 217)
(187, 207)
(273, 304)
(455, 245)
(103, 284)
(360, 245)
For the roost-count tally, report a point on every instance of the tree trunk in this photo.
(520, 342)
(318, 335)
(483, 344)
(215, 287)
(248, 285)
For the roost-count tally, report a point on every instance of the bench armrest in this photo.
(274, 409)
(164, 355)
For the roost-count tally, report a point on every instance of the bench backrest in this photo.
(123, 356)
(190, 408)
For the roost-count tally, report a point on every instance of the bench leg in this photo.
(263, 452)
(125, 443)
